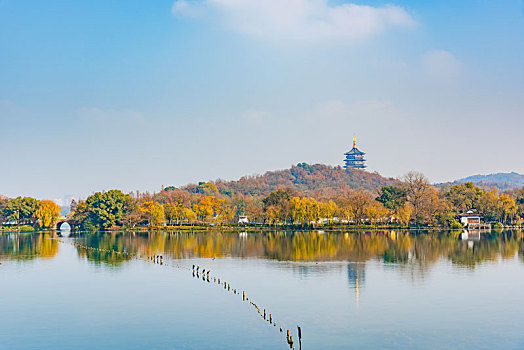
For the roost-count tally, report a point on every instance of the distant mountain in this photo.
(502, 181)
(317, 179)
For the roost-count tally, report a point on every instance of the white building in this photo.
(470, 218)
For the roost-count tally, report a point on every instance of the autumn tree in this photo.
(272, 214)
(155, 213)
(358, 203)
(508, 209)
(376, 212)
(328, 210)
(189, 215)
(48, 213)
(418, 191)
(403, 214)
(280, 202)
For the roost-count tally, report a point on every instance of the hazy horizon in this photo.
(136, 96)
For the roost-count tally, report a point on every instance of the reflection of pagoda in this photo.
(354, 158)
(356, 276)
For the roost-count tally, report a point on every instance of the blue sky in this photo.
(138, 94)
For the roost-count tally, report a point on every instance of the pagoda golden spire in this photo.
(354, 141)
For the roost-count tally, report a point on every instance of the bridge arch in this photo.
(60, 224)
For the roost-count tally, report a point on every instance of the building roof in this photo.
(470, 213)
(354, 151)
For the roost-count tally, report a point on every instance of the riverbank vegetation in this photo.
(315, 196)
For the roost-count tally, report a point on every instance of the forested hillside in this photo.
(502, 181)
(311, 180)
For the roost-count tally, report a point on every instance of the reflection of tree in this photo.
(27, 246)
(415, 250)
(418, 249)
(109, 247)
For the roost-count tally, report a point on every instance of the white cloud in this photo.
(184, 8)
(301, 20)
(441, 65)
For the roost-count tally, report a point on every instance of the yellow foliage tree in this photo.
(404, 213)
(272, 214)
(376, 212)
(155, 212)
(47, 213)
(189, 215)
(508, 208)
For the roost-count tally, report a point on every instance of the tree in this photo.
(463, 197)
(207, 188)
(3, 203)
(106, 209)
(155, 213)
(21, 210)
(489, 205)
(189, 215)
(280, 201)
(173, 212)
(376, 212)
(358, 203)
(298, 210)
(508, 208)
(520, 202)
(328, 210)
(392, 197)
(48, 213)
(403, 214)
(205, 210)
(78, 214)
(417, 189)
(272, 214)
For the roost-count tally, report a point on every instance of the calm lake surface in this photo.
(389, 289)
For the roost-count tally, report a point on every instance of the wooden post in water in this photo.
(299, 337)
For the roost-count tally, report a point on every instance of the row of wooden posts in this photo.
(159, 259)
(265, 315)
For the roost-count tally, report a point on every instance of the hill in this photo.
(502, 181)
(314, 180)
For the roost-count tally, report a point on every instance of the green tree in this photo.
(392, 197)
(106, 209)
(3, 203)
(21, 210)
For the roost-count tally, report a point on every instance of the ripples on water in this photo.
(390, 289)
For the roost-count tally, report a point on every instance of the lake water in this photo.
(389, 289)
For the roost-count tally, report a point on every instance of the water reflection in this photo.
(395, 247)
(356, 277)
(27, 246)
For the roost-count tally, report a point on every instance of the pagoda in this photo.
(354, 158)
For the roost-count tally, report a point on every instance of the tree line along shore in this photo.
(410, 201)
